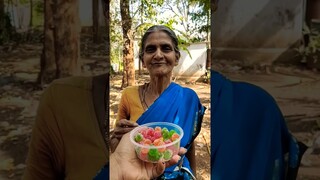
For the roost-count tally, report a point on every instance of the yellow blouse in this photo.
(130, 106)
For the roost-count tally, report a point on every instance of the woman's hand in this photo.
(123, 126)
(124, 163)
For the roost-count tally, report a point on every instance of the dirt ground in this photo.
(295, 89)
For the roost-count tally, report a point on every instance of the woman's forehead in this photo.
(158, 37)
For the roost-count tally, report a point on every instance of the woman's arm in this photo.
(191, 155)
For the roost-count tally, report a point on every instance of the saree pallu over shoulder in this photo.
(180, 106)
(249, 137)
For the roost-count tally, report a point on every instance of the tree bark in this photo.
(31, 14)
(47, 61)
(67, 37)
(106, 13)
(18, 14)
(1, 8)
(2, 19)
(213, 8)
(61, 48)
(95, 21)
(128, 60)
(106, 10)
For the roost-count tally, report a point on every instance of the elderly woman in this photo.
(161, 99)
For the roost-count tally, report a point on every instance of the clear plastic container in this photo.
(160, 151)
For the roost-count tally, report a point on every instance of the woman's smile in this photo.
(158, 63)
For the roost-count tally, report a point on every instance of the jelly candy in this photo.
(154, 155)
(147, 142)
(165, 134)
(157, 128)
(171, 132)
(138, 137)
(154, 138)
(157, 141)
(167, 154)
(157, 134)
(144, 151)
(174, 137)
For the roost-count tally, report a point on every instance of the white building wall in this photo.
(20, 15)
(257, 32)
(258, 24)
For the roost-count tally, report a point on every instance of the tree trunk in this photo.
(47, 61)
(62, 40)
(2, 20)
(19, 20)
(95, 21)
(213, 7)
(128, 60)
(106, 10)
(31, 14)
(1, 8)
(141, 22)
(67, 37)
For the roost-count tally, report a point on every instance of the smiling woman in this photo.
(159, 56)
(161, 99)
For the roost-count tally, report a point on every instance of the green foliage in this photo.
(39, 7)
(313, 46)
(192, 15)
(201, 15)
(314, 42)
(24, 1)
(146, 8)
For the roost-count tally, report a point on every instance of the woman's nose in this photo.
(158, 54)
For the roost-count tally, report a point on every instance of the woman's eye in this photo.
(167, 48)
(149, 49)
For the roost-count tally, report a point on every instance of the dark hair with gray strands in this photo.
(164, 29)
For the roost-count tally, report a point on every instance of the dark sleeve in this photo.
(103, 173)
(45, 155)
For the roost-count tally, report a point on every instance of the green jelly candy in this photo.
(167, 155)
(165, 135)
(138, 137)
(154, 155)
(171, 132)
(164, 130)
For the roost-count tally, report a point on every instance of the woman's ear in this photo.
(177, 58)
(177, 62)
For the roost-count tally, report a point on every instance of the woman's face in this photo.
(159, 56)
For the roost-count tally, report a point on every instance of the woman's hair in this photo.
(164, 29)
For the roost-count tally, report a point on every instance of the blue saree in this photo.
(249, 137)
(180, 106)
